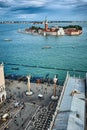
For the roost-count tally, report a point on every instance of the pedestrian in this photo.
(22, 125)
(20, 113)
(22, 95)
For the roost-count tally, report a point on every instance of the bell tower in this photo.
(46, 24)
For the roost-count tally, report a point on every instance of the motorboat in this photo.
(46, 47)
(15, 68)
(6, 39)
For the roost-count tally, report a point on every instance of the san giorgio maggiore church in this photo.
(2, 84)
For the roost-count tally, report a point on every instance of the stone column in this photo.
(54, 97)
(28, 85)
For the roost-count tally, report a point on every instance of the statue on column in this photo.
(29, 92)
(54, 97)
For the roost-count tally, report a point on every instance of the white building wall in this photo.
(2, 84)
(60, 32)
(2, 81)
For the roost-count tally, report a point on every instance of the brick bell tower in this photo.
(46, 24)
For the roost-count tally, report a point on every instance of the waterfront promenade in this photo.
(42, 113)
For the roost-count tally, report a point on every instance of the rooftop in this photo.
(72, 108)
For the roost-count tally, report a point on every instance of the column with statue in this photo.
(29, 92)
(54, 97)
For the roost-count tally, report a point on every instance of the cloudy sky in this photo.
(38, 9)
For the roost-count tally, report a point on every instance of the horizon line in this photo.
(35, 21)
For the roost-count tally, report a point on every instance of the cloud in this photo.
(66, 4)
(24, 16)
(3, 5)
(34, 3)
(32, 8)
(7, 2)
(29, 10)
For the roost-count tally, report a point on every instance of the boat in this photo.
(15, 68)
(73, 47)
(6, 39)
(46, 47)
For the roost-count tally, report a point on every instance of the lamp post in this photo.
(28, 85)
(54, 97)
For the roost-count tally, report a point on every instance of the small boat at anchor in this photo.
(16, 68)
(46, 47)
(6, 39)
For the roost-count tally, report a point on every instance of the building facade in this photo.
(2, 84)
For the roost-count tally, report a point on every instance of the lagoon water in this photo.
(67, 52)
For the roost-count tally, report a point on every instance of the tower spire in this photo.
(46, 18)
(46, 24)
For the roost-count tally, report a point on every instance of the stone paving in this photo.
(43, 117)
(23, 116)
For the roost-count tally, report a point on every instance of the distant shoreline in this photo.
(38, 22)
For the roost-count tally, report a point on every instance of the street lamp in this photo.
(54, 97)
(28, 85)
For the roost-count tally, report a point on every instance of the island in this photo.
(54, 30)
(73, 30)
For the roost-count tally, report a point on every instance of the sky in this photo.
(31, 10)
